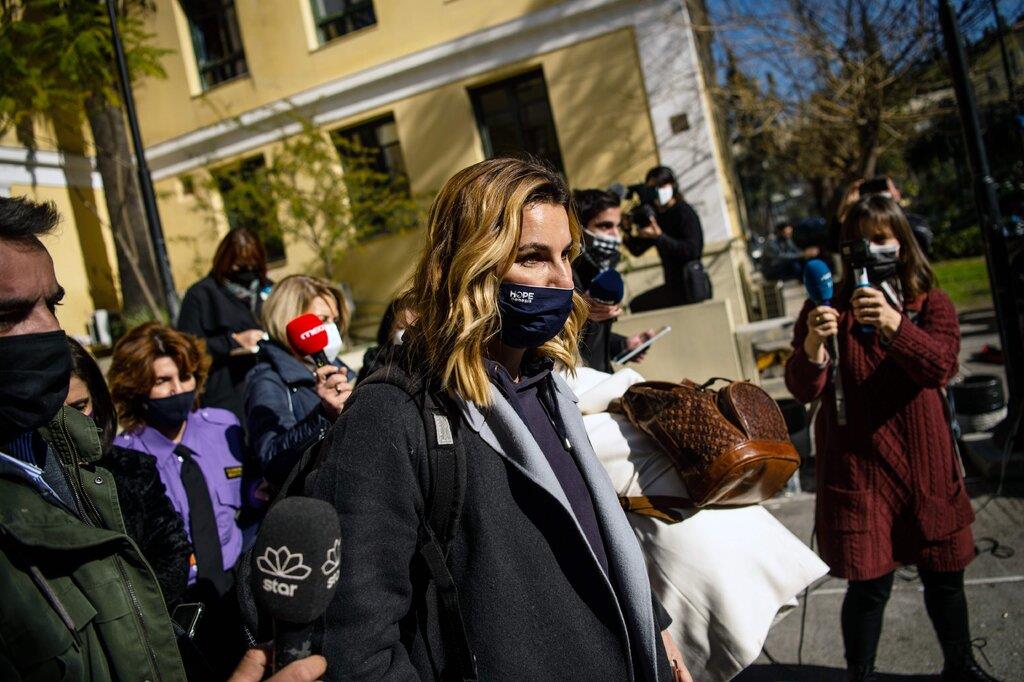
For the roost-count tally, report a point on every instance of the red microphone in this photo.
(308, 335)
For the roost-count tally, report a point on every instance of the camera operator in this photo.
(890, 488)
(601, 219)
(673, 228)
(67, 567)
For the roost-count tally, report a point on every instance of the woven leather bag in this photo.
(731, 446)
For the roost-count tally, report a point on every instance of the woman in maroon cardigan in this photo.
(890, 488)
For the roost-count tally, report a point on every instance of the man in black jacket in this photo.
(601, 218)
(676, 233)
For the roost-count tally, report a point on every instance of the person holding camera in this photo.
(672, 227)
(535, 544)
(890, 487)
(601, 218)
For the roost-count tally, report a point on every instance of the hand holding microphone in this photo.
(605, 296)
(333, 389)
(296, 573)
(311, 337)
(822, 321)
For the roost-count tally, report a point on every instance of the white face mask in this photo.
(892, 250)
(334, 342)
(397, 337)
(665, 195)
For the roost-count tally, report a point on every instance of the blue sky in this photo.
(763, 56)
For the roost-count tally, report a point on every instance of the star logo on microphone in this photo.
(330, 566)
(282, 563)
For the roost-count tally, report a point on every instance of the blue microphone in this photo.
(818, 281)
(607, 287)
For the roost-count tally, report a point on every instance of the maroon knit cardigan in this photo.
(890, 488)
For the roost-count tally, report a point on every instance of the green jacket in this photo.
(77, 599)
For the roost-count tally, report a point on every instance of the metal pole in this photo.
(156, 232)
(993, 230)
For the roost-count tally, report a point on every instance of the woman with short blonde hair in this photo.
(294, 295)
(537, 549)
(289, 402)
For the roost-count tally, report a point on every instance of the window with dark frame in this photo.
(336, 18)
(379, 139)
(216, 40)
(373, 146)
(514, 117)
(246, 206)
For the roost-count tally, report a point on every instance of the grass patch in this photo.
(966, 282)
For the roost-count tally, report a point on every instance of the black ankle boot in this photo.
(961, 665)
(860, 673)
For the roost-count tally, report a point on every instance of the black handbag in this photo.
(696, 282)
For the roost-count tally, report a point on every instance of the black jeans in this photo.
(865, 602)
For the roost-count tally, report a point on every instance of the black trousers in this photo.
(663, 296)
(864, 606)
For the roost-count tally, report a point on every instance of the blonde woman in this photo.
(289, 403)
(550, 580)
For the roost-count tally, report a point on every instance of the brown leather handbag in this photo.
(731, 446)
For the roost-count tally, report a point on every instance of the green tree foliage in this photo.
(327, 194)
(58, 64)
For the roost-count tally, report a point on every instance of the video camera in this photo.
(858, 253)
(647, 199)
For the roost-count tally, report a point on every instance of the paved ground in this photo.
(909, 650)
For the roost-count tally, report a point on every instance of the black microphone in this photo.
(296, 572)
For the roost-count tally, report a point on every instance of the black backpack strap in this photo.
(443, 507)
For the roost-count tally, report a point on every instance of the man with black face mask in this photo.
(77, 599)
(601, 219)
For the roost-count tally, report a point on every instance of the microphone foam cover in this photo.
(307, 334)
(818, 280)
(295, 559)
(607, 286)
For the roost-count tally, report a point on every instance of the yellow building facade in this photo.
(604, 88)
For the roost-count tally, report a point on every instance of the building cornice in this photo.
(19, 166)
(533, 34)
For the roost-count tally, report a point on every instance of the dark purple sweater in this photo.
(533, 400)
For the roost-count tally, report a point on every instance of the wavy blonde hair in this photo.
(293, 296)
(473, 234)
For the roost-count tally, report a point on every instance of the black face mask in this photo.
(167, 414)
(244, 277)
(35, 371)
(532, 316)
(602, 251)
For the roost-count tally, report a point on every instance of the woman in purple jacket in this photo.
(156, 377)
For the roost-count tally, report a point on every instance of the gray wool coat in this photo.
(536, 602)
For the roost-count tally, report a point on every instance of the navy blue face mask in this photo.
(166, 414)
(532, 316)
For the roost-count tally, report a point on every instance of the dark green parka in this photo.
(77, 599)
